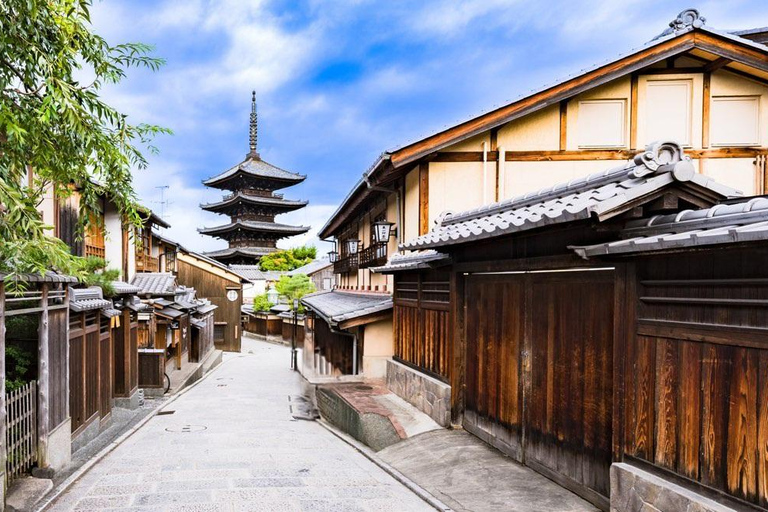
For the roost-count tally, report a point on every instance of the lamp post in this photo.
(294, 365)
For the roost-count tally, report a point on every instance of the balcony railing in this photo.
(346, 264)
(373, 256)
(147, 263)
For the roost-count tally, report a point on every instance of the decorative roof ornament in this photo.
(687, 18)
(661, 157)
(254, 128)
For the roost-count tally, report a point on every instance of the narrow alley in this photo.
(230, 444)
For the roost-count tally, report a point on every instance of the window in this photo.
(735, 121)
(327, 283)
(668, 112)
(602, 124)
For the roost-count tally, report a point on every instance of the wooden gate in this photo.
(20, 430)
(539, 373)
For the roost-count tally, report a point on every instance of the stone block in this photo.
(427, 394)
(636, 490)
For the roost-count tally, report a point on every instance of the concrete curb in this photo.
(74, 477)
(394, 473)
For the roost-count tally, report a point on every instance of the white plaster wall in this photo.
(537, 131)
(113, 237)
(411, 219)
(458, 186)
(724, 83)
(697, 81)
(738, 173)
(524, 177)
(47, 208)
(378, 348)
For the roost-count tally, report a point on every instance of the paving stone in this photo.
(252, 456)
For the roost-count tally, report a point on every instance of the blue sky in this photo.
(340, 81)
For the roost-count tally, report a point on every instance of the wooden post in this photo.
(3, 444)
(423, 198)
(43, 383)
(633, 112)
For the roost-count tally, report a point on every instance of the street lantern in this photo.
(273, 296)
(333, 256)
(294, 363)
(353, 244)
(295, 304)
(382, 231)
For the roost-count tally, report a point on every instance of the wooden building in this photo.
(707, 89)
(629, 331)
(252, 205)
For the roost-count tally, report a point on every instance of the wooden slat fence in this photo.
(20, 430)
(422, 329)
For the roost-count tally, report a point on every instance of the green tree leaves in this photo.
(60, 128)
(289, 259)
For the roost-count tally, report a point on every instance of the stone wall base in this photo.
(427, 394)
(130, 403)
(60, 446)
(634, 490)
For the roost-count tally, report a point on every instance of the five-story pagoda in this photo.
(252, 205)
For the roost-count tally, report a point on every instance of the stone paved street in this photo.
(231, 445)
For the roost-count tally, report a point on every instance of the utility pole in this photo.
(163, 203)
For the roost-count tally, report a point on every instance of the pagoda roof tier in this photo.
(272, 203)
(238, 253)
(279, 230)
(254, 171)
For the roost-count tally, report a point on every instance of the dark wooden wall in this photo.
(539, 372)
(214, 288)
(57, 368)
(89, 381)
(697, 370)
(126, 356)
(336, 348)
(422, 327)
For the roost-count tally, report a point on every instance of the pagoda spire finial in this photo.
(254, 129)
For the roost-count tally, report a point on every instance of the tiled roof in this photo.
(155, 283)
(87, 299)
(254, 252)
(254, 273)
(123, 288)
(277, 202)
(417, 260)
(248, 225)
(48, 277)
(337, 306)
(110, 312)
(170, 313)
(312, 267)
(744, 221)
(598, 195)
(199, 323)
(258, 168)
(207, 308)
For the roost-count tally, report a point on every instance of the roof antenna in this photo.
(254, 131)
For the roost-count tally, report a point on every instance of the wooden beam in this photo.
(633, 112)
(43, 383)
(731, 50)
(494, 139)
(588, 154)
(563, 125)
(705, 108)
(670, 71)
(717, 64)
(424, 197)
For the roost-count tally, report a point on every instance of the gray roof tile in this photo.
(337, 306)
(87, 299)
(155, 283)
(744, 221)
(312, 267)
(258, 168)
(661, 165)
(123, 288)
(418, 260)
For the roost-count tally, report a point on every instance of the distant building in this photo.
(252, 206)
(319, 271)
